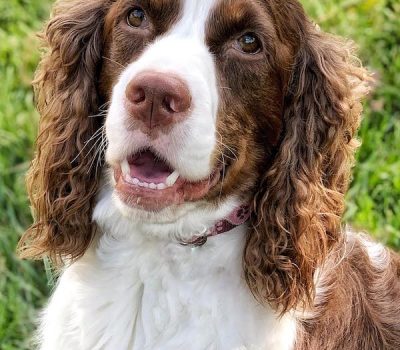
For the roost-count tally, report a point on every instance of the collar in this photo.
(237, 217)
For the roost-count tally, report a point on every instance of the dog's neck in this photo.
(139, 290)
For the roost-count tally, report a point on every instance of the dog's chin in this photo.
(176, 222)
(167, 215)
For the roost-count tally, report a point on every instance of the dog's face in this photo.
(195, 100)
(210, 104)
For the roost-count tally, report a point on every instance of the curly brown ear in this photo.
(61, 181)
(300, 200)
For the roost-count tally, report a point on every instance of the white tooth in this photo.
(129, 179)
(125, 167)
(144, 184)
(135, 181)
(153, 186)
(161, 186)
(172, 179)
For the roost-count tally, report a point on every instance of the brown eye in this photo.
(249, 43)
(136, 17)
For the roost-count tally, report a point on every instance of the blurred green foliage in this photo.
(373, 201)
(22, 284)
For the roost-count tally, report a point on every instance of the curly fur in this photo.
(300, 200)
(62, 181)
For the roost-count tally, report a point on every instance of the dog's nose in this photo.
(158, 99)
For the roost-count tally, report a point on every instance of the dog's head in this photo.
(193, 105)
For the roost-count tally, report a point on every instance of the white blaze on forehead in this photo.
(182, 51)
(194, 18)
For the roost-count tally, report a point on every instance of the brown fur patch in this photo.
(250, 87)
(62, 181)
(124, 44)
(357, 306)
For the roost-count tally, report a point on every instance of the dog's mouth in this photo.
(144, 180)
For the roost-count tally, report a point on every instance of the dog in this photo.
(189, 180)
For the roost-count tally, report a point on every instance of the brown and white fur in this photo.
(257, 107)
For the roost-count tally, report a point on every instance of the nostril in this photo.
(137, 95)
(176, 103)
(169, 105)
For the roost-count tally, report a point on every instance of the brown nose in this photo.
(158, 99)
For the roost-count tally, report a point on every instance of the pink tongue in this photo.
(147, 168)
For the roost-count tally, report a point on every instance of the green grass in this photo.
(22, 284)
(373, 201)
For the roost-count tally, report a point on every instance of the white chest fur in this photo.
(150, 294)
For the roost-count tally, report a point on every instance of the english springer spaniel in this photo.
(190, 173)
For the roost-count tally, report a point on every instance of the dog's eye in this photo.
(136, 17)
(249, 43)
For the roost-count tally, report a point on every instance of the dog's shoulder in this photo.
(357, 299)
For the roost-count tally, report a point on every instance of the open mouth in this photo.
(146, 181)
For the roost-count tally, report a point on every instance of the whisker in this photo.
(95, 135)
(97, 154)
(100, 114)
(103, 110)
(223, 177)
(228, 148)
(112, 61)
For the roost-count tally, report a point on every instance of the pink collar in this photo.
(236, 218)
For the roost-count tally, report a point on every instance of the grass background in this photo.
(373, 202)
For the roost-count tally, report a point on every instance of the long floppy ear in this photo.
(300, 200)
(62, 181)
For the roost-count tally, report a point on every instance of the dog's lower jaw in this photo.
(137, 291)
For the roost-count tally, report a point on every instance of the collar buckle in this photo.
(196, 242)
